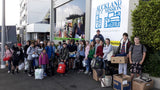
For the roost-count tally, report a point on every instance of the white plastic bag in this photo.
(109, 55)
(106, 82)
(93, 62)
(84, 63)
(26, 66)
(34, 55)
(39, 73)
(21, 66)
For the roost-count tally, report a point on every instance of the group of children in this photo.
(47, 55)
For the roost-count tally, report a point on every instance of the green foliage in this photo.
(146, 25)
(152, 64)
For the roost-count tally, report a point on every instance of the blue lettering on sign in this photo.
(113, 15)
(98, 23)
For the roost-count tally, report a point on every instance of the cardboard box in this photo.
(119, 59)
(121, 82)
(96, 72)
(138, 84)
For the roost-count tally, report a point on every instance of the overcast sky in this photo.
(12, 12)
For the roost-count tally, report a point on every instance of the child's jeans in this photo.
(9, 65)
(43, 66)
(88, 66)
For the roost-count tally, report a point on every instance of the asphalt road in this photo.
(71, 81)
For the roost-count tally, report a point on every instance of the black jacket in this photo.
(64, 54)
(25, 50)
(72, 48)
(18, 54)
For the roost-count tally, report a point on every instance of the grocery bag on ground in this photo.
(39, 73)
(21, 66)
(106, 82)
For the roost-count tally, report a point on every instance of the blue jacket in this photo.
(49, 50)
(82, 53)
(54, 49)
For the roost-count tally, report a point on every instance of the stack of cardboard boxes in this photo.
(123, 82)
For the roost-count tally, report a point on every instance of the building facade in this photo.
(118, 22)
(83, 13)
(32, 13)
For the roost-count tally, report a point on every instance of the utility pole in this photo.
(52, 26)
(3, 35)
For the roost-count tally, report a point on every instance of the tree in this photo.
(146, 25)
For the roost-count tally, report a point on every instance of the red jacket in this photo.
(99, 51)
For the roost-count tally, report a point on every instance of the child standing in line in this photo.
(43, 61)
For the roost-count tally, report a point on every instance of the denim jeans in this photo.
(43, 67)
(88, 66)
(104, 64)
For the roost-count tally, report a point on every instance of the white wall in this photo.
(112, 32)
(38, 28)
(60, 2)
(37, 10)
(132, 6)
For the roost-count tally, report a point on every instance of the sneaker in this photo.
(9, 72)
(86, 72)
(29, 75)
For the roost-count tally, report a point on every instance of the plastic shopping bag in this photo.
(93, 62)
(21, 66)
(26, 64)
(84, 63)
(39, 73)
(106, 82)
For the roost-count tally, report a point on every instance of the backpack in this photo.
(98, 64)
(61, 68)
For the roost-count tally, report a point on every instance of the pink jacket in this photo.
(43, 59)
(8, 53)
(87, 51)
